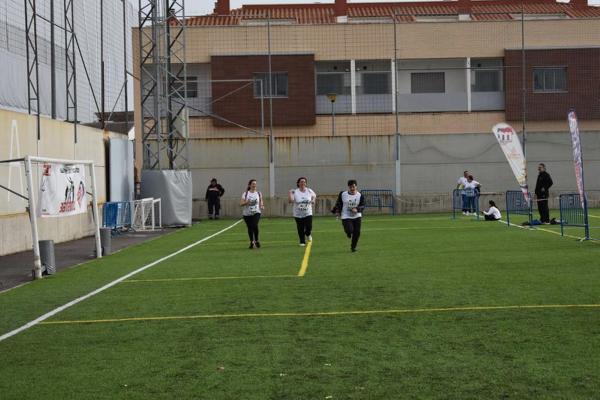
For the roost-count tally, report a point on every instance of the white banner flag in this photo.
(62, 190)
(511, 146)
(577, 159)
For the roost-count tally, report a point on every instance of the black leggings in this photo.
(304, 226)
(352, 229)
(214, 204)
(252, 224)
(490, 218)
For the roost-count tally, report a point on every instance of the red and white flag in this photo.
(511, 146)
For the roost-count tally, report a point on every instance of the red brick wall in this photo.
(242, 108)
(583, 84)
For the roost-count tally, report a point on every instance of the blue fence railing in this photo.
(379, 198)
(517, 204)
(116, 215)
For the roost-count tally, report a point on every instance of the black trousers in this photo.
(543, 209)
(352, 229)
(252, 225)
(214, 204)
(304, 227)
(490, 218)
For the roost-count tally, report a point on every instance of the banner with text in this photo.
(511, 146)
(577, 160)
(62, 190)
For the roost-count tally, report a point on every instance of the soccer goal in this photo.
(60, 190)
(146, 214)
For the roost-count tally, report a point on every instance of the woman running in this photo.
(349, 206)
(303, 199)
(252, 204)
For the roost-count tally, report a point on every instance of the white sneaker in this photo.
(309, 238)
(302, 244)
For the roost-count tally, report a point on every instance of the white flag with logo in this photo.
(577, 159)
(62, 190)
(511, 146)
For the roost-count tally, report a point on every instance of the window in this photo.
(550, 79)
(427, 82)
(192, 87)
(277, 88)
(331, 83)
(486, 81)
(376, 83)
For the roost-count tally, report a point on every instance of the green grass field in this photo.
(427, 308)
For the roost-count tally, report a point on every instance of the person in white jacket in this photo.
(492, 214)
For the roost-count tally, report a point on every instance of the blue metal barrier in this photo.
(379, 198)
(573, 212)
(516, 204)
(465, 199)
(116, 215)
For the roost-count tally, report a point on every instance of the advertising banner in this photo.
(62, 190)
(511, 146)
(577, 158)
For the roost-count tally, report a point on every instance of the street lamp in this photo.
(332, 97)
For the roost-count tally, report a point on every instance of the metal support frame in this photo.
(163, 82)
(70, 64)
(31, 44)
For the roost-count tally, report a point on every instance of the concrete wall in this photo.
(430, 165)
(18, 138)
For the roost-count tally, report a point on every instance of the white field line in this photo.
(107, 286)
(545, 230)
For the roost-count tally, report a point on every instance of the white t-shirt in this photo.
(471, 185)
(253, 206)
(462, 181)
(493, 211)
(303, 202)
(349, 202)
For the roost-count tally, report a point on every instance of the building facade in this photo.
(448, 69)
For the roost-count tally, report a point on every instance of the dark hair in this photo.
(299, 179)
(352, 182)
(465, 171)
(470, 177)
(213, 180)
(492, 203)
(249, 183)
(542, 164)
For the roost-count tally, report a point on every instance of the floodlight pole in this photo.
(37, 263)
(332, 97)
(397, 135)
(270, 94)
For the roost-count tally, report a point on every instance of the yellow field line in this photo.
(208, 278)
(326, 313)
(304, 265)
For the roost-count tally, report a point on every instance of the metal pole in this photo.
(102, 88)
(333, 118)
(270, 92)
(262, 106)
(95, 211)
(37, 264)
(397, 135)
(52, 64)
(523, 77)
(125, 77)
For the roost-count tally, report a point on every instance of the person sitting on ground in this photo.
(492, 214)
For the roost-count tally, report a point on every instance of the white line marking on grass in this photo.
(107, 286)
(593, 216)
(208, 278)
(329, 313)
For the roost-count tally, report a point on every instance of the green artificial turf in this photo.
(409, 315)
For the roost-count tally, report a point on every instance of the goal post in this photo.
(32, 201)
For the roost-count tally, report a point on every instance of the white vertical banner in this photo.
(511, 146)
(62, 190)
(577, 157)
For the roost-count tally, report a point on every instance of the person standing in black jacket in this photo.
(542, 193)
(213, 197)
